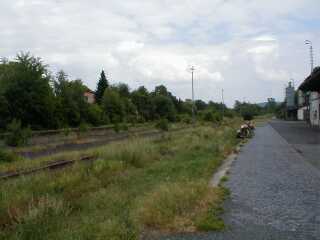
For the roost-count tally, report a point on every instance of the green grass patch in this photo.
(7, 156)
(224, 179)
(134, 186)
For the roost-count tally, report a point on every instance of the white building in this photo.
(311, 90)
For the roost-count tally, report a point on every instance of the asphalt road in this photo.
(275, 190)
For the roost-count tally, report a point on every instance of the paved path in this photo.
(275, 193)
(302, 137)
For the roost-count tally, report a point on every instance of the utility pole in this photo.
(193, 109)
(308, 42)
(222, 93)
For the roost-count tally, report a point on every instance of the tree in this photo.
(200, 105)
(4, 112)
(123, 90)
(95, 115)
(164, 108)
(71, 106)
(161, 90)
(101, 87)
(247, 110)
(113, 105)
(142, 100)
(28, 94)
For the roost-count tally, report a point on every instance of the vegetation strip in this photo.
(132, 189)
(64, 163)
(61, 147)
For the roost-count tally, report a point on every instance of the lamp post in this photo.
(308, 42)
(222, 95)
(192, 69)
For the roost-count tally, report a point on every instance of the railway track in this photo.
(61, 164)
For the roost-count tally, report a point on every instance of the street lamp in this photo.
(192, 69)
(308, 42)
(222, 95)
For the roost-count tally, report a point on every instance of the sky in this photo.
(249, 48)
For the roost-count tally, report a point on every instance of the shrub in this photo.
(186, 119)
(229, 114)
(247, 116)
(163, 125)
(124, 127)
(208, 116)
(66, 131)
(217, 117)
(17, 135)
(6, 156)
(83, 127)
(116, 127)
(94, 114)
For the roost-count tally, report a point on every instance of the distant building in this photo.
(310, 88)
(291, 107)
(290, 97)
(89, 96)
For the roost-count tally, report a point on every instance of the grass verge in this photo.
(133, 187)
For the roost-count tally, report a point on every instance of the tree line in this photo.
(32, 96)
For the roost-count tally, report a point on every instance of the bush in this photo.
(17, 135)
(163, 125)
(94, 114)
(186, 119)
(124, 127)
(208, 116)
(6, 156)
(229, 114)
(66, 131)
(116, 127)
(83, 127)
(217, 117)
(247, 116)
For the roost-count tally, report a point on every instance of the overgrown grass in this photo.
(8, 156)
(133, 187)
(25, 163)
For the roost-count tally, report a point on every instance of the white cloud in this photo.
(237, 45)
(266, 49)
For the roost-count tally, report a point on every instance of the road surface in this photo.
(275, 188)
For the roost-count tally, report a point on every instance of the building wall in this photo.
(301, 113)
(89, 97)
(314, 108)
(301, 99)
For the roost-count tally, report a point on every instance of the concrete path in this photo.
(275, 193)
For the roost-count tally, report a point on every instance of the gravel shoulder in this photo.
(275, 193)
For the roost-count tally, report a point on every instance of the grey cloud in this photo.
(249, 48)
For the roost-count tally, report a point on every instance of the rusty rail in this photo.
(61, 164)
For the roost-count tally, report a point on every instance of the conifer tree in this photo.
(101, 87)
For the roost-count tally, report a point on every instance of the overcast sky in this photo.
(251, 48)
